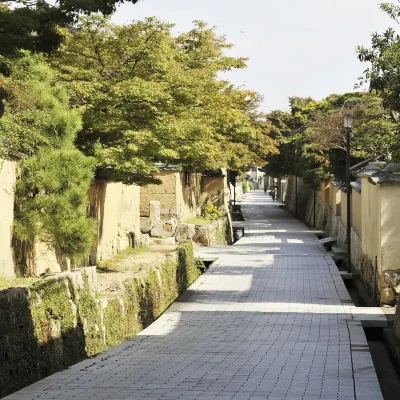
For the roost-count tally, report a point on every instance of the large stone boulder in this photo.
(211, 235)
(390, 287)
(185, 232)
(146, 225)
(164, 228)
(202, 235)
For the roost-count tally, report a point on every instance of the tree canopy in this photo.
(312, 139)
(383, 57)
(54, 179)
(33, 24)
(149, 97)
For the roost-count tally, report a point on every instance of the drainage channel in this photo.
(384, 367)
(387, 373)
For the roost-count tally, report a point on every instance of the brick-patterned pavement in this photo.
(271, 319)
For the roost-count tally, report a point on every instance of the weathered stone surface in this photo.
(388, 296)
(145, 225)
(70, 333)
(155, 211)
(391, 278)
(202, 235)
(145, 240)
(212, 234)
(164, 228)
(185, 232)
(390, 285)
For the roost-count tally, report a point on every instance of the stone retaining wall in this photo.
(64, 319)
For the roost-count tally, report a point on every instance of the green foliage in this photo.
(245, 186)
(51, 201)
(33, 24)
(383, 78)
(148, 96)
(212, 212)
(384, 57)
(37, 112)
(54, 179)
(250, 185)
(313, 142)
(200, 265)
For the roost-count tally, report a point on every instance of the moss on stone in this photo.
(88, 317)
(58, 322)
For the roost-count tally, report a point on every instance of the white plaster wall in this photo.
(356, 212)
(117, 209)
(371, 221)
(390, 227)
(355, 250)
(7, 186)
(45, 260)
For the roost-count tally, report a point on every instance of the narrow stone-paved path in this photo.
(271, 319)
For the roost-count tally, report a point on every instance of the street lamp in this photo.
(348, 125)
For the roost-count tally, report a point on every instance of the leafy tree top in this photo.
(36, 107)
(148, 96)
(312, 139)
(33, 24)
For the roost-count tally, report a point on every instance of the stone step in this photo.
(338, 251)
(327, 241)
(349, 275)
(370, 317)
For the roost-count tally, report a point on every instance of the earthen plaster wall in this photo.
(356, 212)
(390, 226)
(165, 193)
(7, 185)
(117, 209)
(371, 225)
(188, 195)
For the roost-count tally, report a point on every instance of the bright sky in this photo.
(296, 47)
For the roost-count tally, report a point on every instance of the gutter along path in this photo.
(271, 319)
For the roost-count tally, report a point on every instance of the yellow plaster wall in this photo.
(165, 193)
(371, 220)
(117, 209)
(174, 195)
(7, 185)
(343, 207)
(214, 190)
(188, 197)
(335, 199)
(390, 226)
(356, 212)
(46, 259)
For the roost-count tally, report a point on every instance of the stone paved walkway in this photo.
(271, 319)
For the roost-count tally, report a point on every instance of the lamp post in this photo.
(348, 125)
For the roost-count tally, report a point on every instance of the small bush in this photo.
(200, 265)
(251, 185)
(212, 212)
(245, 187)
